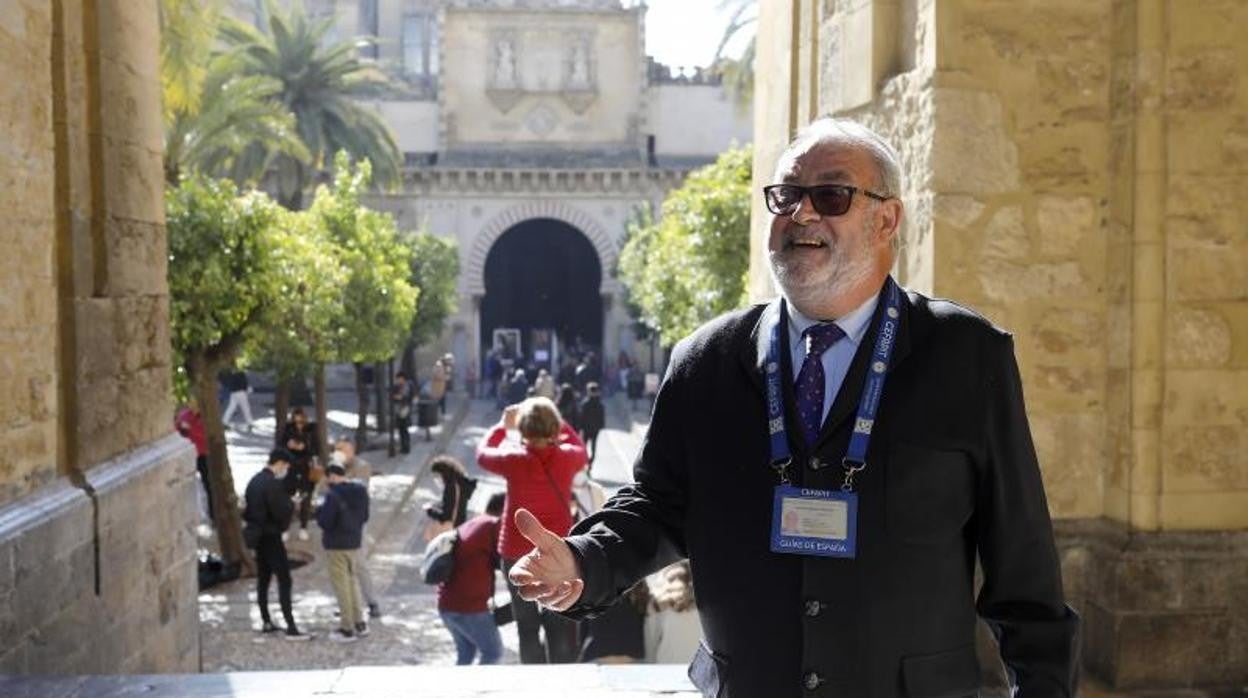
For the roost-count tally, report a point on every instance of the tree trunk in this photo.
(361, 393)
(227, 519)
(407, 363)
(379, 393)
(390, 447)
(281, 409)
(322, 414)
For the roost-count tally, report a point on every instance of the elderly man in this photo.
(832, 464)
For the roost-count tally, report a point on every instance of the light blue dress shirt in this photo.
(836, 360)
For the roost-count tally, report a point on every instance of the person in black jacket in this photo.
(591, 418)
(342, 517)
(457, 489)
(266, 516)
(888, 428)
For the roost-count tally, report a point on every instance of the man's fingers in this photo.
(533, 530)
(566, 595)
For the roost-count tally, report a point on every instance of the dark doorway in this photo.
(543, 275)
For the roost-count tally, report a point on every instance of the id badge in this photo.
(814, 522)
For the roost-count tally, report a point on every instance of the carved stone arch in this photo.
(474, 267)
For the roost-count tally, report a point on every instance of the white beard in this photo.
(847, 267)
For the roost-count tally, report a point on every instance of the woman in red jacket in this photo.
(538, 471)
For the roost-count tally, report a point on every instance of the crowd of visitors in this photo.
(542, 446)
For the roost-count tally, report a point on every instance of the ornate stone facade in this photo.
(97, 551)
(514, 110)
(1069, 171)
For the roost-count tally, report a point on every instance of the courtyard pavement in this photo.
(409, 631)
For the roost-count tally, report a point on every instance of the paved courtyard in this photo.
(409, 631)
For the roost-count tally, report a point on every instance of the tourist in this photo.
(401, 399)
(568, 406)
(341, 517)
(464, 598)
(544, 385)
(266, 517)
(539, 472)
(591, 417)
(457, 489)
(236, 383)
(360, 471)
(190, 424)
(299, 437)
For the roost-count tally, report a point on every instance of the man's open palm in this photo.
(548, 574)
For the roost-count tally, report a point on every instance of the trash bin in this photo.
(427, 416)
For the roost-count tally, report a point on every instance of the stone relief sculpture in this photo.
(579, 76)
(505, 64)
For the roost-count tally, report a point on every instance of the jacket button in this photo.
(813, 607)
(811, 680)
(817, 464)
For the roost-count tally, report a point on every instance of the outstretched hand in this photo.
(548, 574)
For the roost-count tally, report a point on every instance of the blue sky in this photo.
(686, 32)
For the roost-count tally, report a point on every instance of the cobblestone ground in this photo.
(409, 631)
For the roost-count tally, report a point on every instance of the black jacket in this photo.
(951, 473)
(591, 415)
(268, 506)
(342, 516)
(456, 491)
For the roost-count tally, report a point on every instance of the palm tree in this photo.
(216, 123)
(236, 133)
(317, 85)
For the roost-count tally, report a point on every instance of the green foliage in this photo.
(377, 301)
(318, 81)
(219, 259)
(301, 317)
(434, 270)
(187, 31)
(691, 265)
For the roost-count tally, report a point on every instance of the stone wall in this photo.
(96, 497)
(1075, 171)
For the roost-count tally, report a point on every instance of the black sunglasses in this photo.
(828, 199)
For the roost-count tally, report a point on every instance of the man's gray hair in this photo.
(854, 134)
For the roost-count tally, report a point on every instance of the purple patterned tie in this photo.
(810, 380)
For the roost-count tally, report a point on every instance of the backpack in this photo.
(439, 558)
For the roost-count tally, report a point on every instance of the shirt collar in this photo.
(853, 324)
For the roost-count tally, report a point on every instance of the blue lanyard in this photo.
(856, 457)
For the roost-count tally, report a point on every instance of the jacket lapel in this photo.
(754, 352)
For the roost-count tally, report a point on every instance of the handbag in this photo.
(439, 558)
(316, 473)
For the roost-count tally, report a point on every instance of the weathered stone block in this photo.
(134, 182)
(1204, 79)
(971, 152)
(1206, 397)
(137, 259)
(1005, 236)
(1065, 223)
(1208, 272)
(1198, 338)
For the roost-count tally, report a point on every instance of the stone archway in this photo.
(543, 280)
(474, 262)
